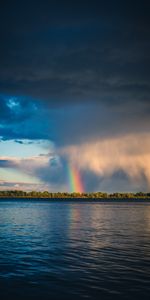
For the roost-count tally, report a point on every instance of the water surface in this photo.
(74, 250)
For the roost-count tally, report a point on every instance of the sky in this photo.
(75, 95)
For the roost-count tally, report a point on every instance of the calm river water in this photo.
(74, 250)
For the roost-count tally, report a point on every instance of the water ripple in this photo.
(74, 250)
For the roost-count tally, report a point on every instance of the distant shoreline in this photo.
(18, 194)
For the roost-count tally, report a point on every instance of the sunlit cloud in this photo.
(130, 154)
(104, 158)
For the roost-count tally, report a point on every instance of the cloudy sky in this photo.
(75, 93)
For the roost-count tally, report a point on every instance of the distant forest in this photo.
(46, 194)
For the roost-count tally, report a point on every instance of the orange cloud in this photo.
(130, 153)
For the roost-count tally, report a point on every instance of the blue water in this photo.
(74, 250)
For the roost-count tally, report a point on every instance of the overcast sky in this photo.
(75, 91)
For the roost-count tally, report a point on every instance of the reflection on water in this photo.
(74, 250)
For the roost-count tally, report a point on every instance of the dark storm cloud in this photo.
(77, 73)
(66, 51)
(81, 124)
(74, 124)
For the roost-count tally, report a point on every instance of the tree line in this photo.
(46, 194)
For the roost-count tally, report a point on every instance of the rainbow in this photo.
(75, 182)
